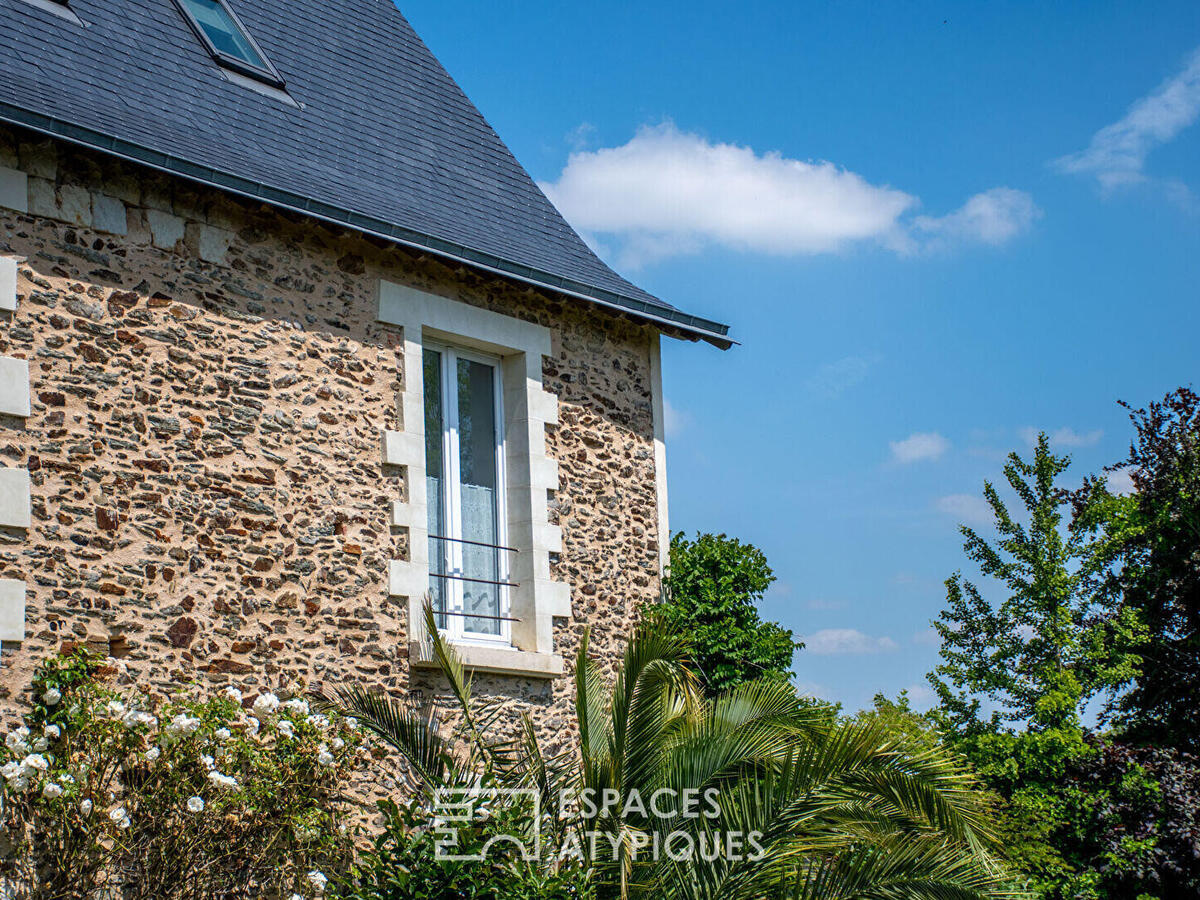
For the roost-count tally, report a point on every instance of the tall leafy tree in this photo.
(711, 597)
(1038, 655)
(1160, 579)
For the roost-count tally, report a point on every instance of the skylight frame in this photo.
(60, 8)
(268, 75)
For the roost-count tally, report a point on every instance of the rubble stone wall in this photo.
(208, 382)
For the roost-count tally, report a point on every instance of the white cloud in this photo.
(667, 193)
(675, 421)
(1064, 437)
(918, 447)
(813, 690)
(921, 696)
(992, 217)
(927, 637)
(1120, 481)
(845, 641)
(966, 508)
(1117, 153)
(579, 137)
(835, 378)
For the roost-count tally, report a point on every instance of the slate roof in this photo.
(383, 139)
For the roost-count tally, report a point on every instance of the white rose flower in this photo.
(337, 743)
(18, 740)
(52, 791)
(11, 770)
(36, 762)
(318, 881)
(40, 744)
(115, 708)
(266, 703)
(208, 761)
(316, 720)
(152, 754)
(252, 725)
(296, 897)
(183, 724)
(352, 723)
(298, 705)
(285, 728)
(324, 757)
(119, 817)
(225, 781)
(222, 734)
(53, 732)
(66, 779)
(195, 804)
(233, 694)
(85, 807)
(52, 696)
(136, 717)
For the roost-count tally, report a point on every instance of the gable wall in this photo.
(208, 384)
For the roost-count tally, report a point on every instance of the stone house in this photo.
(290, 341)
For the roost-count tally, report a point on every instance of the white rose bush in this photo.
(121, 795)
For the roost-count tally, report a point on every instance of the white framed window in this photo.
(458, 527)
(465, 494)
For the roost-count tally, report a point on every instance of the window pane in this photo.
(223, 32)
(480, 503)
(435, 480)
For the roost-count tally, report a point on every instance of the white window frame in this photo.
(452, 547)
(530, 473)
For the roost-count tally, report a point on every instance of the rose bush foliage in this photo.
(191, 796)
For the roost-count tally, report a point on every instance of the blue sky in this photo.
(933, 227)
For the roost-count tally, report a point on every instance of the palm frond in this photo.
(414, 734)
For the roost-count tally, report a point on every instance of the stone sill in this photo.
(495, 660)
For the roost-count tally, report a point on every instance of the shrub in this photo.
(402, 863)
(711, 597)
(114, 794)
(797, 802)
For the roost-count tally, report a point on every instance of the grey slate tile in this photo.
(385, 133)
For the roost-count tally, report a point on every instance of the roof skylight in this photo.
(227, 39)
(58, 7)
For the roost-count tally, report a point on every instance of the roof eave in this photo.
(671, 322)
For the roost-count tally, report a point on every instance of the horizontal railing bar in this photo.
(438, 537)
(474, 580)
(465, 615)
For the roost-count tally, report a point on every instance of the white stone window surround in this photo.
(14, 387)
(15, 498)
(14, 195)
(8, 282)
(530, 474)
(12, 610)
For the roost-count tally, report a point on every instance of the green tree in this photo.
(1055, 641)
(711, 596)
(1158, 530)
(818, 807)
(1059, 638)
(898, 717)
